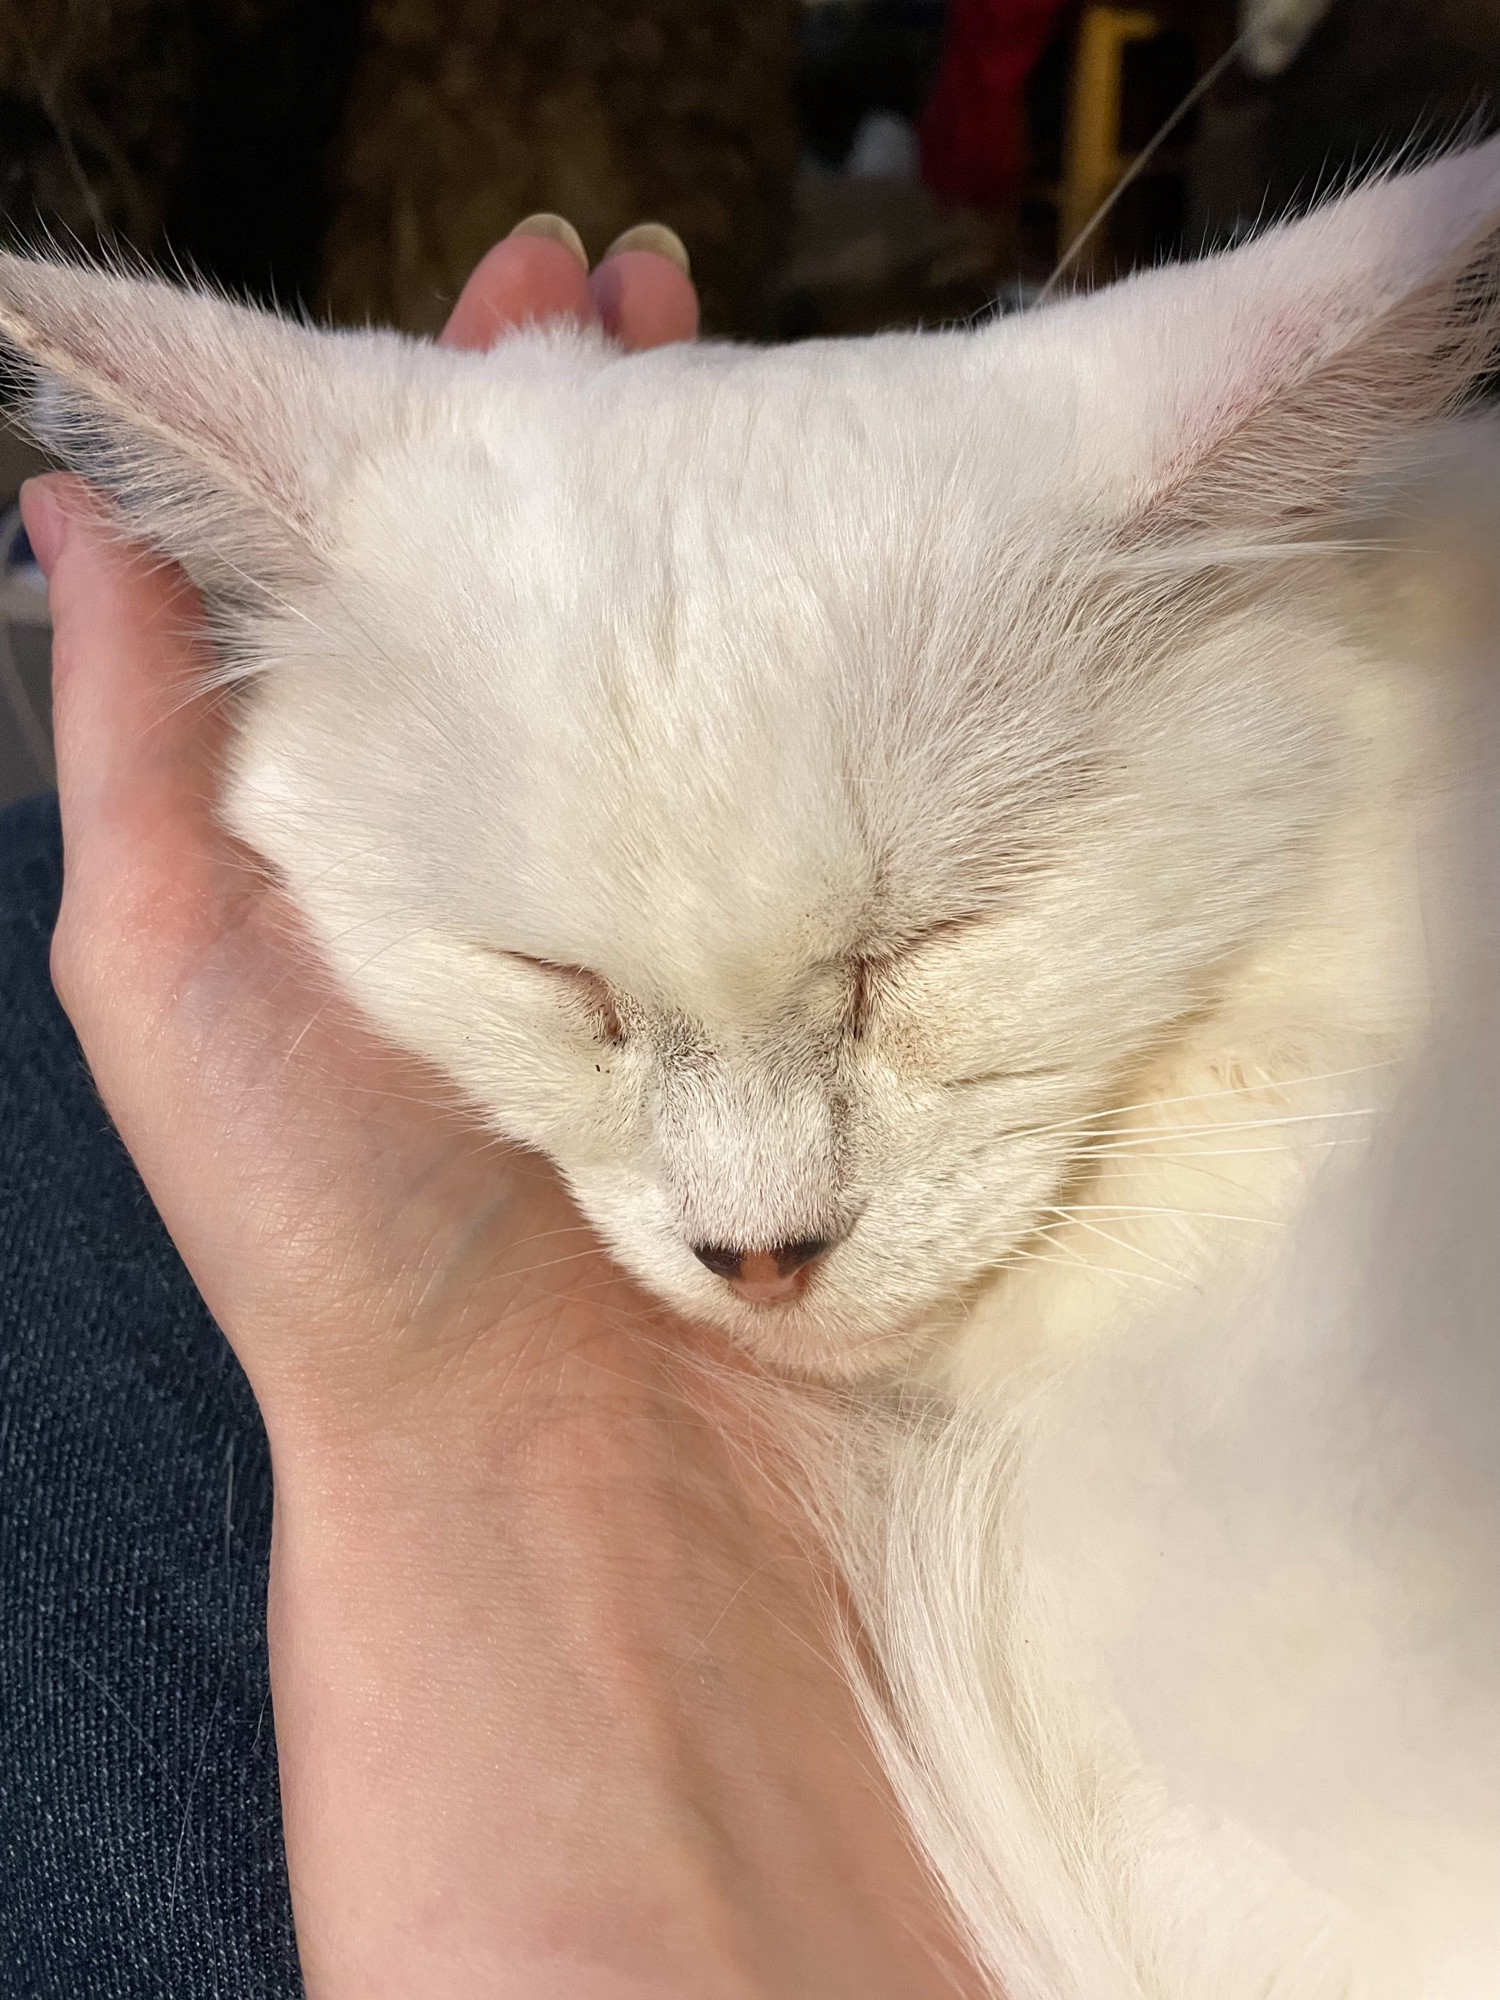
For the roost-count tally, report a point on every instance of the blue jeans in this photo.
(140, 1825)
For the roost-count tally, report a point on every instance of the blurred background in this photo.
(835, 167)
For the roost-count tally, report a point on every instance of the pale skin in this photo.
(554, 1702)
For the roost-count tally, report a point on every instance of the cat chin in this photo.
(795, 1340)
(832, 1334)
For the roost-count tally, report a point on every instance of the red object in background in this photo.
(972, 151)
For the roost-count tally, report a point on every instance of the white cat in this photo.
(928, 833)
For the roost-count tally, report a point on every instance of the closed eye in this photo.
(871, 970)
(1002, 1076)
(589, 987)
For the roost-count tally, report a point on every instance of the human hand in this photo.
(364, 1240)
(553, 1706)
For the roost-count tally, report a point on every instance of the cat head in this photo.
(794, 788)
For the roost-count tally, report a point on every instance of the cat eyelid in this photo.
(868, 969)
(1040, 1074)
(590, 987)
(907, 944)
(935, 933)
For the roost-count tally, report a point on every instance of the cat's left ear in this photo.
(217, 430)
(1252, 391)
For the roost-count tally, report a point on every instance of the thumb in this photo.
(137, 736)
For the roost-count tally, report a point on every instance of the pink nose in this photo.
(765, 1277)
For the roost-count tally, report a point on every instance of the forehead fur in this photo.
(693, 649)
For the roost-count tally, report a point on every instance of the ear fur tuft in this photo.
(1290, 367)
(210, 424)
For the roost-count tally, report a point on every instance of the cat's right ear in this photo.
(1249, 394)
(214, 428)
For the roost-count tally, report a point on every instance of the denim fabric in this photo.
(140, 1832)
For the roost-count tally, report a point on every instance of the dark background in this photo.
(357, 156)
(834, 166)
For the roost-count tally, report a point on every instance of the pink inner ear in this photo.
(1250, 390)
(1280, 350)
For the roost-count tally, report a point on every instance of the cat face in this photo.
(794, 788)
(793, 854)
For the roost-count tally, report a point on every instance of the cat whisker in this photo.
(344, 860)
(1124, 1211)
(1079, 1221)
(1082, 1266)
(1212, 1128)
(443, 1097)
(1102, 1118)
(700, 1645)
(583, 1255)
(335, 998)
(388, 915)
(1215, 1153)
(548, 1235)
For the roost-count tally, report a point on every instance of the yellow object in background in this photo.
(1092, 161)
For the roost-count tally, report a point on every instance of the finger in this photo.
(643, 288)
(642, 291)
(137, 739)
(534, 274)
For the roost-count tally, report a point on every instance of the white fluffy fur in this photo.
(965, 795)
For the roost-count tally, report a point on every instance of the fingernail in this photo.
(659, 240)
(558, 229)
(46, 523)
